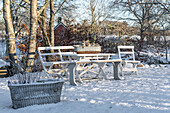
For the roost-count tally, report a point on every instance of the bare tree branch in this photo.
(27, 2)
(20, 4)
(60, 7)
(42, 8)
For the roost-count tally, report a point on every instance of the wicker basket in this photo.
(23, 95)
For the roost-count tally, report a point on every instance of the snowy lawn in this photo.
(149, 92)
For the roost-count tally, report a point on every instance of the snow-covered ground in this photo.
(107, 37)
(149, 92)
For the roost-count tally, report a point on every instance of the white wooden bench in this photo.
(70, 61)
(61, 56)
(128, 51)
(57, 58)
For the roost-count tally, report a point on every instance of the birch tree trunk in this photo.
(32, 39)
(11, 45)
(10, 36)
(52, 22)
(46, 38)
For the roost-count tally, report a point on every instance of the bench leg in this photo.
(115, 66)
(72, 68)
(135, 66)
(78, 75)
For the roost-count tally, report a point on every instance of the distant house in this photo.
(60, 33)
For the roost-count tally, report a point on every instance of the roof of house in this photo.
(59, 25)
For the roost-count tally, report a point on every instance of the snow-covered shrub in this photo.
(21, 76)
(25, 78)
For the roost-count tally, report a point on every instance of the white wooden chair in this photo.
(128, 64)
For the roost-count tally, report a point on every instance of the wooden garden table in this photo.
(101, 59)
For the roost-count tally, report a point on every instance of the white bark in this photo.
(10, 35)
(33, 31)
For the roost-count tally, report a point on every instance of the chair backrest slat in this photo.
(126, 50)
(58, 51)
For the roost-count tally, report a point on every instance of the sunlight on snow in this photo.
(124, 104)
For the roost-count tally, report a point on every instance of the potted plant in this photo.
(30, 88)
(87, 48)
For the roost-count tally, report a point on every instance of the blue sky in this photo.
(1, 3)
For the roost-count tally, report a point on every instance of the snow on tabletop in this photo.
(149, 92)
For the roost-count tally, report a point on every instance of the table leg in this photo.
(102, 66)
(102, 71)
(115, 66)
(72, 67)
